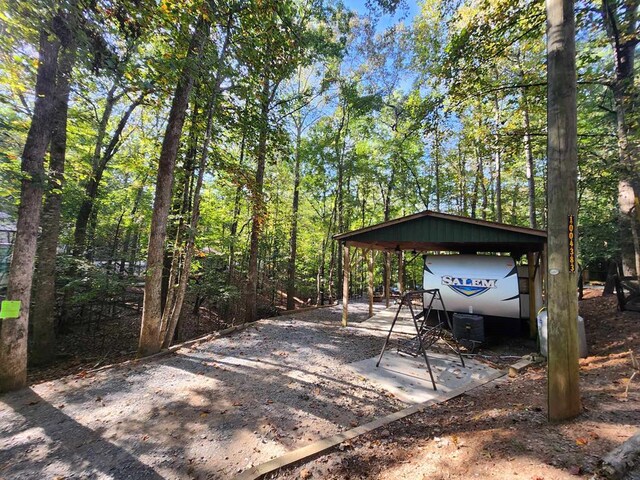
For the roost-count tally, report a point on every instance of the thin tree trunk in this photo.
(485, 198)
(258, 207)
(498, 165)
(13, 331)
(130, 229)
(320, 278)
(462, 183)
(528, 148)
(233, 232)
(339, 149)
(477, 184)
(332, 264)
(182, 208)
(150, 332)
(171, 314)
(622, 30)
(44, 290)
(291, 268)
(436, 167)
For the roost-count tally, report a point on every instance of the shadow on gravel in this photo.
(78, 448)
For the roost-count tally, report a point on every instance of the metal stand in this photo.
(426, 335)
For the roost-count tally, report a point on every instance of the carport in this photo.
(430, 231)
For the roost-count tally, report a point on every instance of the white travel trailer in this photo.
(488, 285)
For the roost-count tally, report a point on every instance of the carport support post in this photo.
(387, 277)
(346, 265)
(371, 260)
(531, 267)
(401, 271)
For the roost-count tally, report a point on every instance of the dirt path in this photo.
(206, 412)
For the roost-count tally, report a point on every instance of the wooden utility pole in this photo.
(563, 372)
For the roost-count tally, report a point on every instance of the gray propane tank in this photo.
(542, 319)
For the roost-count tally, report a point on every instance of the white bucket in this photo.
(542, 335)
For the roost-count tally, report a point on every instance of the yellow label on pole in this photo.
(10, 309)
(572, 243)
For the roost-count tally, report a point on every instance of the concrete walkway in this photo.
(407, 377)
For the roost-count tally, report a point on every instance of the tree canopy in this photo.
(217, 145)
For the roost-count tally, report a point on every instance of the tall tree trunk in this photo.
(127, 245)
(477, 185)
(622, 30)
(498, 164)
(150, 332)
(258, 207)
(339, 150)
(563, 370)
(13, 331)
(293, 246)
(183, 196)
(485, 198)
(171, 314)
(320, 278)
(528, 149)
(436, 166)
(462, 182)
(332, 270)
(44, 289)
(233, 232)
(386, 268)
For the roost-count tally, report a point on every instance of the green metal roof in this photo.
(434, 231)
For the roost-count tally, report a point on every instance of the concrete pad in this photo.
(382, 321)
(407, 378)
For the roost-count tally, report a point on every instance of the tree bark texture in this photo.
(563, 372)
(44, 289)
(150, 332)
(497, 156)
(171, 314)
(528, 148)
(258, 207)
(293, 245)
(623, 35)
(13, 332)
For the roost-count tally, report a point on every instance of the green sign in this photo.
(10, 309)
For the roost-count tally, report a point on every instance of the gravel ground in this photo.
(209, 411)
(500, 430)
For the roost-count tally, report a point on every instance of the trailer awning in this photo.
(438, 232)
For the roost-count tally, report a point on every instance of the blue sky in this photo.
(406, 11)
